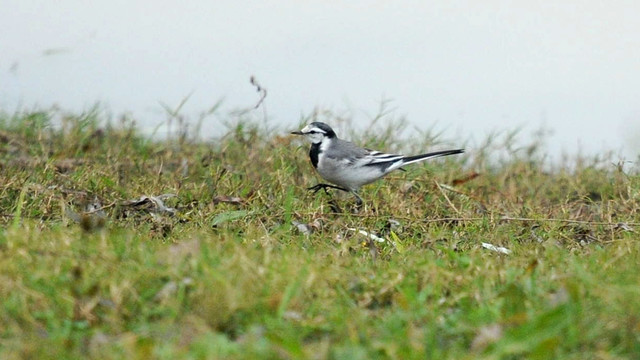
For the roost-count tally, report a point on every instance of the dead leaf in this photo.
(292, 315)
(406, 186)
(465, 179)
(180, 250)
(67, 165)
(170, 288)
(624, 227)
(92, 218)
(369, 235)
(486, 336)
(532, 266)
(154, 204)
(499, 249)
(303, 228)
(228, 199)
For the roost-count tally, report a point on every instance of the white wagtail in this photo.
(349, 166)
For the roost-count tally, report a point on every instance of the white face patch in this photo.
(313, 133)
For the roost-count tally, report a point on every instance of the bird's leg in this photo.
(317, 188)
(359, 201)
(358, 198)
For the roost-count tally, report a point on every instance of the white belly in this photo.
(339, 173)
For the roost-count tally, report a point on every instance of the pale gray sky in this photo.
(470, 67)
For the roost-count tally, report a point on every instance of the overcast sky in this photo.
(469, 67)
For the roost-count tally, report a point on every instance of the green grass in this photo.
(234, 278)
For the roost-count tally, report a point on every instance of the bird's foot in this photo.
(334, 206)
(324, 187)
(359, 203)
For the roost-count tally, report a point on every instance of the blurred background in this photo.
(464, 68)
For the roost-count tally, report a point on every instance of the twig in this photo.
(507, 218)
(504, 218)
(449, 219)
(447, 198)
(452, 189)
(585, 222)
(259, 89)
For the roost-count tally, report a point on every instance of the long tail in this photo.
(416, 158)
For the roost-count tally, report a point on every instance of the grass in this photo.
(87, 272)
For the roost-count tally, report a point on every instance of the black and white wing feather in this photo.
(390, 162)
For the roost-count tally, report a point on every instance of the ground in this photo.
(118, 245)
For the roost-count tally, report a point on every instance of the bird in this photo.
(347, 166)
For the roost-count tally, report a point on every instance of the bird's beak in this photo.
(298, 132)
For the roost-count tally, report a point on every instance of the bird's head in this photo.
(316, 132)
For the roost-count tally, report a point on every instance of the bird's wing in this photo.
(377, 157)
(346, 152)
(349, 153)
